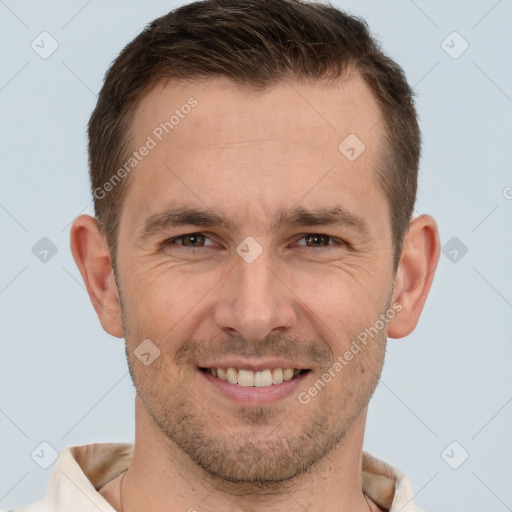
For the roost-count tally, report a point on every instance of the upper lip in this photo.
(255, 365)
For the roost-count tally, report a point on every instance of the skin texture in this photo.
(303, 300)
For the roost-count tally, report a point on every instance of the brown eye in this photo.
(317, 240)
(193, 240)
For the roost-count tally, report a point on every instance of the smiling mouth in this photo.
(259, 379)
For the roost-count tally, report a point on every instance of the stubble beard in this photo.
(286, 450)
(264, 451)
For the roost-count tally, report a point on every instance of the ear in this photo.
(415, 273)
(92, 257)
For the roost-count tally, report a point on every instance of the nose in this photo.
(255, 300)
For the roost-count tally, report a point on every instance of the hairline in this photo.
(383, 162)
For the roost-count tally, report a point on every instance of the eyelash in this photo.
(171, 241)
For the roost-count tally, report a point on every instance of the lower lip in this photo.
(252, 394)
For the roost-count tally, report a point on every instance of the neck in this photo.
(163, 478)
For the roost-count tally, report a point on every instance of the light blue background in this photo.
(65, 381)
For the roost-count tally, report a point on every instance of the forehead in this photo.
(222, 107)
(218, 143)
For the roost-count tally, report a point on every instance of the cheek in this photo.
(164, 301)
(163, 293)
(344, 304)
(166, 306)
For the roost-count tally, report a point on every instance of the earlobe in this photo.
(415, 273)
(92, 257)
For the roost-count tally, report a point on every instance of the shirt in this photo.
(80, 471)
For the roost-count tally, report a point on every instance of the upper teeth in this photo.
(260, 379)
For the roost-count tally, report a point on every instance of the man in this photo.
(254, 168)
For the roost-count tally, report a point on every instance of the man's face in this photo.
(255, 294)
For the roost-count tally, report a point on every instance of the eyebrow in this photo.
(176, 216)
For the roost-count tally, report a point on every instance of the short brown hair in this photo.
(255, 43)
